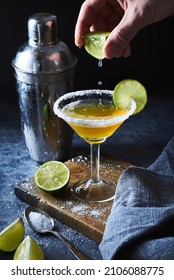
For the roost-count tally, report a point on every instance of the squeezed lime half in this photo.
(94, 42)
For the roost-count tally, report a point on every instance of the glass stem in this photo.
(95, 162)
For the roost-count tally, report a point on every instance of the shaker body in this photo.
(47, 137)
(44, 69)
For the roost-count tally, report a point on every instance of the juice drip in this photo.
(100, 63)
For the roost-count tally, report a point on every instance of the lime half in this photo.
(12, 236)
(29, 249)
(52, 176)
(130, 89)
(94, 42)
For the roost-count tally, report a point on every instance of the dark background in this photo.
(151, 61)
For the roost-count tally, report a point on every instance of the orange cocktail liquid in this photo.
(97, 113)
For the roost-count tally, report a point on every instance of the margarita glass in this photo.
(93, 116)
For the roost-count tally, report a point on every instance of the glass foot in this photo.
(94, 192)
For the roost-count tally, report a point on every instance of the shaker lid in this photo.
(44, 53)
(42, 29)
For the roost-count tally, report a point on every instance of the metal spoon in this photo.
(41, 222)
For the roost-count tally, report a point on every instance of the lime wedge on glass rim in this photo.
(94, 42)
(12, 236)
(52, 176)
(129, 89)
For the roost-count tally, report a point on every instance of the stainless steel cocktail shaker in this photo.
(44, 69)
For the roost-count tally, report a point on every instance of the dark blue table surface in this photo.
(139, 141)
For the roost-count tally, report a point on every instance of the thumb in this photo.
(118, 42)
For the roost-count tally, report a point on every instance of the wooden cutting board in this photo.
(87, 218)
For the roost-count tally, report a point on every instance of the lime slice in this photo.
(29, 249)
(52, 176)
(94, 42)
(12, 235)
(130, 89)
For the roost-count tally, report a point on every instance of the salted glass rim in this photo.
(89, 122)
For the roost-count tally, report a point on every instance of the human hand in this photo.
(123, 18)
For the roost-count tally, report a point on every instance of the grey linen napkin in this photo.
(141, 223)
